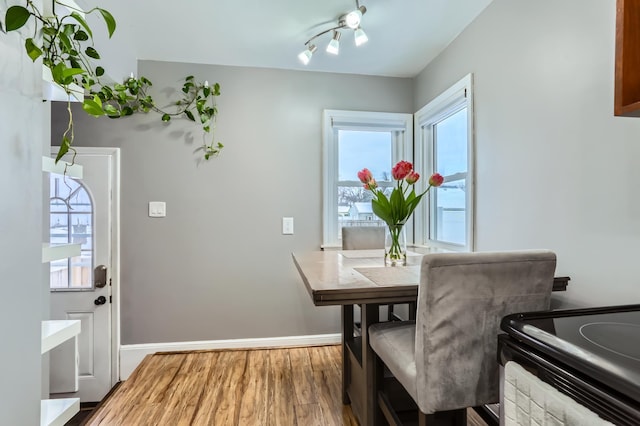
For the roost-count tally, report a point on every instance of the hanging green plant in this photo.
(65, 44)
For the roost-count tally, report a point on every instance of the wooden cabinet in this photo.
(627, 76)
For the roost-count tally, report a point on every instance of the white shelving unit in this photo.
(56, 332)
(57, 412)
(54, 412)
(51, 252)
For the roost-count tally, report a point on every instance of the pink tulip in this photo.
(401, 170)
(436, 179)
(412, 177)
(365, 176)
(371, 185)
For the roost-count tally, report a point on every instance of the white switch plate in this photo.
(287, 226)
(157, 209)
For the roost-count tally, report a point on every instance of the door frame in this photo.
(114, 233)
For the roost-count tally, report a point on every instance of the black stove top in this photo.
(601, 343)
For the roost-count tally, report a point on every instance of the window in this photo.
(354, 140)
(444, 144)
(71, 222)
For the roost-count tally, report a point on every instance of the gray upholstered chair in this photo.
(447, 359)
(369, 238)
(362, 237)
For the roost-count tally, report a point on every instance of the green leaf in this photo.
(110, 110)
(50, 31)
(188, 78)
(56, 73)
(33, 51)
(92, 53)
(74, 62)
(206, 91)
(81, 21)
(166, 117)
(68, 29)
(99, 71)
(67, 72)
(189, 115)
(127, 110)
(93, 107)
(66, 43)
(109, 20)
(80, 36)
(16, 17)
(64, 148)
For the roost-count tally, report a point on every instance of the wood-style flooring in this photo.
(294, 386)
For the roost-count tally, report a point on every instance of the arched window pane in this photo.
(71, 221)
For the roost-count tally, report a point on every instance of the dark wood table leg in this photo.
(347, 336)
(370, 315)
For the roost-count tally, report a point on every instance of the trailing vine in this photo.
(65, 44)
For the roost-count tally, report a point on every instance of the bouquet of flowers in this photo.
(396, 210)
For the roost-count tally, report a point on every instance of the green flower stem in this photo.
(396, 253)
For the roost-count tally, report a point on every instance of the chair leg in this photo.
(381, 403)
(390, 316)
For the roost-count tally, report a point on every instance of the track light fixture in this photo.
(350, 20)
(306, 55)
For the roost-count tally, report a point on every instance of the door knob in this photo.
(101, 300)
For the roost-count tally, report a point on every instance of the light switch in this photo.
(287, 226)
(157, 209)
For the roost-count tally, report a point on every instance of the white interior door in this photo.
(81, 211)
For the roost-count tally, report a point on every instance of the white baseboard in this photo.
(132, 355)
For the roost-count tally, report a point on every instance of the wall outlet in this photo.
(157, 209)
(287, 226)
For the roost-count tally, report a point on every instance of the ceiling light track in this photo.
(349, 21)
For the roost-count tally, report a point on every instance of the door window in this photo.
(71, 222)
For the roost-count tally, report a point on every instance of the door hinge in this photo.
(109, 282)
(110, 299)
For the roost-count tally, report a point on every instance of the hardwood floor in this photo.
(294, 386)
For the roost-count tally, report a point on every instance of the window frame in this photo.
(69, 214)
(335, 120)
(452, 100)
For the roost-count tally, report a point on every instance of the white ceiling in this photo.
(404, 35)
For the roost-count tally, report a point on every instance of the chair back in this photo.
(362, 237)
(462, 298)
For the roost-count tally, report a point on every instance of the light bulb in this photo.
(353, 18)
(306, 55)
(360, 37)
(334, 45)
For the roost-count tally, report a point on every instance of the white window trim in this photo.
(354, 120)
(460, 94)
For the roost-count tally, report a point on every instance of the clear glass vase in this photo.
(395, 246)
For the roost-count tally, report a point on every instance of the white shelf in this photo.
(52, 92)
(55, 332)
(57, 412)
(49, 165)
(51, 252)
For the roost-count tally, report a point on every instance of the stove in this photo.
(591, 355)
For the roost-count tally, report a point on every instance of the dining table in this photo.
(347, 278)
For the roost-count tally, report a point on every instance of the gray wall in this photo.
(218, 267)
(555, 168)
(22, 305)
